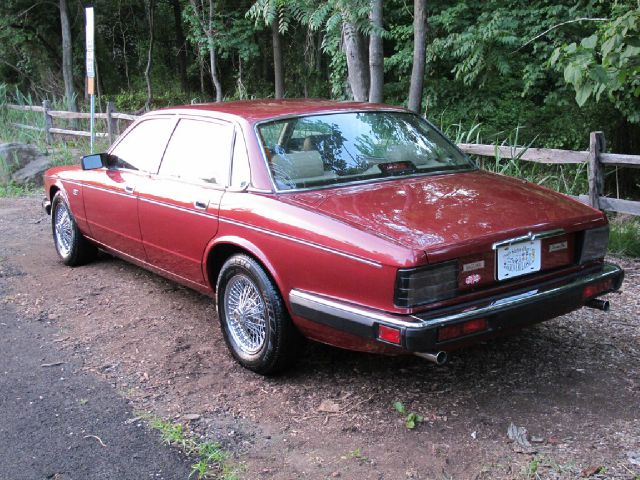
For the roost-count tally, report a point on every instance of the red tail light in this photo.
(389, 334)
(462, 329)
(595, 289)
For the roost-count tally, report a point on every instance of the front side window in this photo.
(199, 151)
(143, 146)
(330, 149)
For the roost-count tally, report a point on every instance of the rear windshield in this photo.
(330, 149)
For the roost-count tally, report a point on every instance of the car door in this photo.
(110, 194)
(178, 208)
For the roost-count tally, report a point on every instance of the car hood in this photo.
(435, 213)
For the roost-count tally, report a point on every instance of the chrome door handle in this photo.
(200, 205)
(129, 188)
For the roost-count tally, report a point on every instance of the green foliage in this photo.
(212, 459)
(624, 237)
(606, 62)
(411, 419)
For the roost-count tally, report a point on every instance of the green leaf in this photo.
(400, 408)
(583, 93)
(590, 42)
(410, 423)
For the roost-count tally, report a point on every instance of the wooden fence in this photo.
(595, 158)
(110, 116)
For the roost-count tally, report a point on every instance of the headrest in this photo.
(298, 165)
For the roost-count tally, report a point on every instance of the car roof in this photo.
(258, 110)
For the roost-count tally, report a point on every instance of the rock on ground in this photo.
(13, 157)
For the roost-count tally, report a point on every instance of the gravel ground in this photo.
(573, 383)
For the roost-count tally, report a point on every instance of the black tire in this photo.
(259, 333)
(73, 249)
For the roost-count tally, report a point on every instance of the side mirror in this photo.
(95, 161)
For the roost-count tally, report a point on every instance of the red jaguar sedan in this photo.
(352, 224)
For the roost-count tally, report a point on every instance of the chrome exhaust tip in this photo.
(439, 358)
(598, 304)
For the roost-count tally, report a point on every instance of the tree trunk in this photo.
(419, 52)
(181, 45)
(67, 58)
(212, 56)
(358, 73)
(278, 71)
(376, 54)
(147, 71)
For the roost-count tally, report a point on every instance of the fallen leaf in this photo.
(591, 471)
(519, 437)
(328, 406)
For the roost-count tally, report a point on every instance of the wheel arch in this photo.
(55, 188)
(221, 249)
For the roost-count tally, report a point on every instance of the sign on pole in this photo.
(91, 73)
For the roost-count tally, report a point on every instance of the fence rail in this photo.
(110, 116)
(595, 158)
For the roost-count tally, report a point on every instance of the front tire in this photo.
(254, 321)
(73, 249)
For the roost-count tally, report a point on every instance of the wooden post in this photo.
(111, 122)
(596, 172)
(48, 122)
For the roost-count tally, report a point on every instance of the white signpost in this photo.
(91, 74)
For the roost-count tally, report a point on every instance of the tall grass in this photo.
(624, 237)
(570, 179)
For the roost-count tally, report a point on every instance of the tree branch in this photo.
(583, 19)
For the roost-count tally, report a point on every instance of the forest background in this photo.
(541, 73)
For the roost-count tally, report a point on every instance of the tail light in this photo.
(597, 288)
(461, 329)
(389, 334)
(417, 286)
(594, 244)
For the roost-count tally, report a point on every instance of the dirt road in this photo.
(573, 383)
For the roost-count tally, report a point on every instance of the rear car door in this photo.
(110, 194)
(178, 208)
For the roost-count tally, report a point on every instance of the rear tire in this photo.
(255, 323)
(73, 249)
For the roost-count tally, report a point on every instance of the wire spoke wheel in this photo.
(63, 229)
(246, 313)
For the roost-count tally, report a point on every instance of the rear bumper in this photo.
(419, 333)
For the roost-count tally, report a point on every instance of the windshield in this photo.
(325, 150)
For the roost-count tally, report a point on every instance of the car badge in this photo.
(472, 279)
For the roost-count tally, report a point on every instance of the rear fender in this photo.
(250, 248)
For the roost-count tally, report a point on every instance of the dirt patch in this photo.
(573, 383)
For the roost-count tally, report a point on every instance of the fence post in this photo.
(48, 122)
(596, 173)
(111, 122)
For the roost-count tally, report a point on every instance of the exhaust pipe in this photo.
(439, 358)
(598, 304)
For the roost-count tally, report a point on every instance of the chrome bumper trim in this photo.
(305, 301)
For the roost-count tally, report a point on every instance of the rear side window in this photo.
(143, 146)
(199, 151)
(240, 174)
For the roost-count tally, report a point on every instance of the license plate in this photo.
(518, 259)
